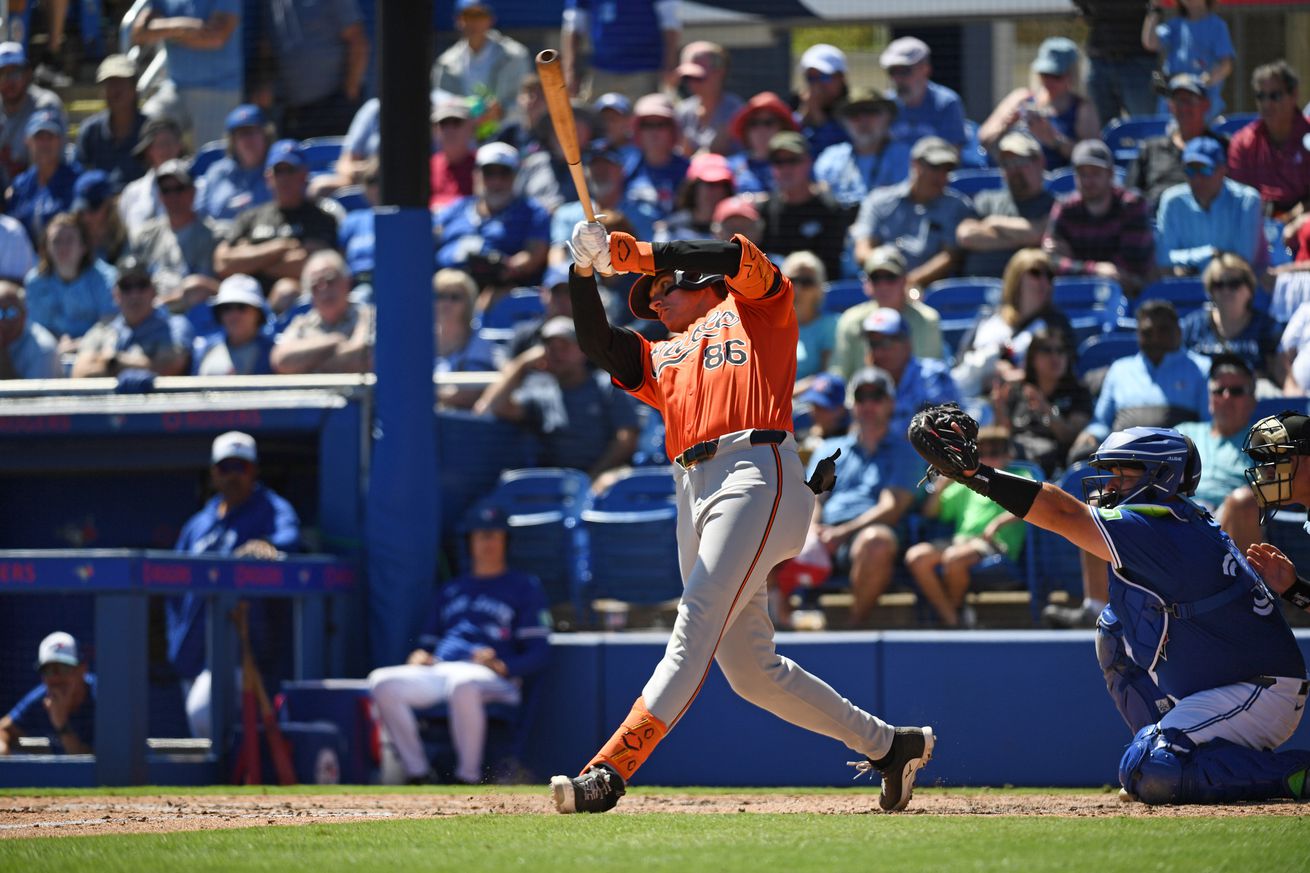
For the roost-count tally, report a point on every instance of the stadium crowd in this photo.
(1057, 282)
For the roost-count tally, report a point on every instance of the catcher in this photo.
(723, 382)
(1198, 660)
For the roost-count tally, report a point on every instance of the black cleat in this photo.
(597, 790)
(911, 749)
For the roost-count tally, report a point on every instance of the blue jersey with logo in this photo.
(1169, 560)
(507, 613)
(30, 716)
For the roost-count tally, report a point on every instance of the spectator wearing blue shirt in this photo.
(69, 290)
(244, 519)
(824, 87)
(500, 238)
(818, 329)
(107, 140)
(140, 336)
(924, 108)
(62, 708)
(609, 197)
(45, 188)
(1195, 42)
(871, 159)
(1208, 213)
(876, 475)
(1160, 386)
(582, 420)
(658, 168)
(920, 382)
(320, 51)
(19, 101)
(753, 126)
(1230, 323)
(919, 216)
(489, 632)
(634, 45)
(16, 253)
(235, 183)
(458, 347)
(27, 350)
(205, 59)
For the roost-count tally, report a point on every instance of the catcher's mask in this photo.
(1275, 443)
(639, 296)
(1170, 463)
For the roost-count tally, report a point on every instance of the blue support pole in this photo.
(120, 735)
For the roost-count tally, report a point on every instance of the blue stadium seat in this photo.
(1092, 305)
(650, 451)
(547, 537)
(351, 198)
(842, 294)
(1274, 405)
(1124, 136)
(521, 304)
(959, 302)
(474, 451)
(206, 155)
(1063, 181)
(1059, 565)
(1235, 122)
(321, 152)
(1103, 350)
(970, 182)
(1186, 293)
(632, 537)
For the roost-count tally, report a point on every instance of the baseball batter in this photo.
(723, 383)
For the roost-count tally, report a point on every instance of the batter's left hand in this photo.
(1273, 566)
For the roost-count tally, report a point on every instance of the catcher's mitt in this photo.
(947, 438)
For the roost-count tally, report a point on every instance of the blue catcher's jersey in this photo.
(1195, 614)
(507, 613)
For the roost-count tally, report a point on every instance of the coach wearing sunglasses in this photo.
(1208, 208)
(1270, 153)
(140, 336)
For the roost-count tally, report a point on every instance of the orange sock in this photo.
(633, 742)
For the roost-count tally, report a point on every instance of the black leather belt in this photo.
(708, 449)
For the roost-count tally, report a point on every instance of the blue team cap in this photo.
(827, 390)
(462, 6)
(602, 149)
(44, 119)
(12, 54)
(284, 151)
(245, 115)
(91, 189)
(612, 100)
(486, 515)
(556, 274)
(1205, 150)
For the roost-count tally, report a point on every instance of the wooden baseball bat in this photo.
(278, 749)
(556, 92)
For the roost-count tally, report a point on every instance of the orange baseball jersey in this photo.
(731, 370)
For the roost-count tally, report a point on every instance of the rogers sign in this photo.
(211, 420)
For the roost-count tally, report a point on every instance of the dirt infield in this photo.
(66, 816)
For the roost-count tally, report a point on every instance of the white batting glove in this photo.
(590, 246)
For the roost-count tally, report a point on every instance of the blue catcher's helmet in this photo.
(1171, 463)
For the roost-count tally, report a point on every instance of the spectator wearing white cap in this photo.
(924, 108)
(179, 245)
(822, 69)
(62, 709)
(244, 519)
(241, 346)
(1049, 108)
(1007, 219)
(706, 115)
(634, 47)
(484, 63)
(582, 420)
(919, 216)
(19, 99)
(660, 167)
(107, 140)
(871, 159)
(498, 236)
(205, 60)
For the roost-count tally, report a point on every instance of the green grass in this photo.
(718, 843)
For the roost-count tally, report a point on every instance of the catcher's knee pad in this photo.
(1138, 699)
(1151, 769)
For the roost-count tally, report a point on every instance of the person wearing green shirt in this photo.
(981, 529)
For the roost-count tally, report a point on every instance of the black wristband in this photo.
(1298, 594)
(1014, 494)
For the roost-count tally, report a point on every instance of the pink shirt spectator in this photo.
(450, 182)
(1280, 173)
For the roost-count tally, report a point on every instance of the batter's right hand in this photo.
(590, 246)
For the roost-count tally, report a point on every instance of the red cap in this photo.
(767, 101)
(709, 167)
(735, 207)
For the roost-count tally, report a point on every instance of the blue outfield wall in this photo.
(1009, 708)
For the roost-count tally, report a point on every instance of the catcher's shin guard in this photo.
(633, 742)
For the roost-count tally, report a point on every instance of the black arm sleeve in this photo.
(617, 350)
(699, 255)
